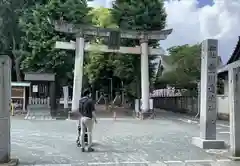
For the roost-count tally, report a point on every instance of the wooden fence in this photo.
(177, 103)
(39, 101)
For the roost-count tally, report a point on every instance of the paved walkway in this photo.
(162, 142)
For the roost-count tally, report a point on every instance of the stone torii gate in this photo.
(82, 31)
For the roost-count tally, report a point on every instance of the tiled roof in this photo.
(22, 84)
(236, 53)
(220, 64)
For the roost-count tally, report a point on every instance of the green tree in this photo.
(102, 17)
(99, 66)
(40, 37)
(10, 41)
(186, 66)
(137, 15)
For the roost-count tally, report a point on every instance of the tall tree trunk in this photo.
(17, 59)
(17, 68)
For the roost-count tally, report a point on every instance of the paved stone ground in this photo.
(165, 141)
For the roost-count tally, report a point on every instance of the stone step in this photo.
(35, 106)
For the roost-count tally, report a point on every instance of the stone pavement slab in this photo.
(123, 142)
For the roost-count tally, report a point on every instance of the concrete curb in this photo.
(12, 162)
(234, 158)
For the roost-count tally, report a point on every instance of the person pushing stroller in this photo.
(87, 119)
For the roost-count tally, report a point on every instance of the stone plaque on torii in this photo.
(82, 31)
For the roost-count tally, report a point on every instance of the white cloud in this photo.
(192, 24)
(102, 3)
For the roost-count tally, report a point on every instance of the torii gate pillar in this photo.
(144, 75)
(78, 71)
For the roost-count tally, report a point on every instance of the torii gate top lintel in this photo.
(80, 29)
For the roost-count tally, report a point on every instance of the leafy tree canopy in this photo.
(99, 66)
(102, 17)
(137, 15)
(10, 32)
(40, 37)
(186, 62)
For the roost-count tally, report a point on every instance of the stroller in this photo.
(78, 138)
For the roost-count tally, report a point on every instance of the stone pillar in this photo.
(5, 90)
(208, 112)
(144, 75)
(234, 105)
(78, 72)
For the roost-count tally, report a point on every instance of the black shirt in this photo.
(86, 107)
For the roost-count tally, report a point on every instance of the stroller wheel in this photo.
(78, 144)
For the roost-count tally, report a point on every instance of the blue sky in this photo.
(205, 2)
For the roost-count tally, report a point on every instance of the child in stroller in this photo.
(78, 138)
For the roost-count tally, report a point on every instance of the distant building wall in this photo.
(222, 105)
(189, 104)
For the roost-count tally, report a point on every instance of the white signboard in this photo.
(35, 88)
(151, 104)
(65, 98)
